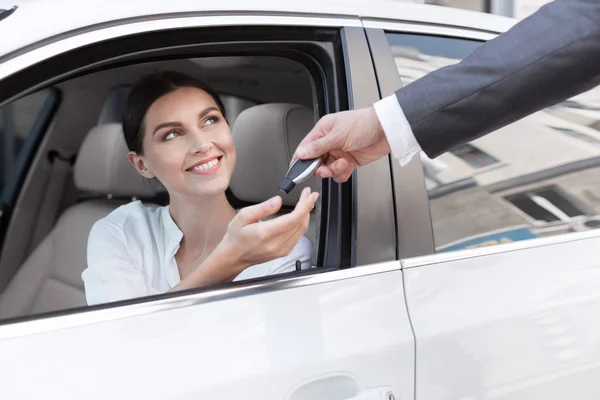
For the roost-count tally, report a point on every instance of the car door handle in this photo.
(340, 386)
(378, 393)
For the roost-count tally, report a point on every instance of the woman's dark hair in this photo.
(145, 92)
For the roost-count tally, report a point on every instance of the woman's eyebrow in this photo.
(206, 111)
(166, 125)
(179, 124)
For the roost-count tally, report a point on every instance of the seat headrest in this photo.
(102, 165)
(265, 138)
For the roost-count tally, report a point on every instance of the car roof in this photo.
(35, 21)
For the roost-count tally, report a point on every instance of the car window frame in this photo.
(414, 227)
(348, 28)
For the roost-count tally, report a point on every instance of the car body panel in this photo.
(510, 321)
(340, 332)
(94, 14)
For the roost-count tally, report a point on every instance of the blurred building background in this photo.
(510, 8)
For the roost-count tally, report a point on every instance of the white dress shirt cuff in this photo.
(397, 129)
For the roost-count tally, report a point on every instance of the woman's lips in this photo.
(207, 168)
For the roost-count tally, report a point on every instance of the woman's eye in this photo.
(171, 135)
(210, 121)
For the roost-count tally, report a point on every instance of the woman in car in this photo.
(176, 132)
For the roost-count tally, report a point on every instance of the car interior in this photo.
(80, 173)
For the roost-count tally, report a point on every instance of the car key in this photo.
(298, 172)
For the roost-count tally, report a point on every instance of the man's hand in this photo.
(345, 140)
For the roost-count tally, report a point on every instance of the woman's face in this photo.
(187, 144)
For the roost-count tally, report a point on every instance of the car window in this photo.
(17, 121)
(264, 110)
(536, 177)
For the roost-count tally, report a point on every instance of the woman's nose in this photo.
(199, 144)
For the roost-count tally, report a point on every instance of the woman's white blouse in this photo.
(131, 253)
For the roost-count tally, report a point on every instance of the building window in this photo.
(547, 205)
(577, 135)
(473, 156)
(474, 5)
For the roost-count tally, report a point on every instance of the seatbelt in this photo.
(48, 212)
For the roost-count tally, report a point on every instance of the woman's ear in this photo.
(139, 164)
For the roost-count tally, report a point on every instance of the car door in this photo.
(337, 332)
(502, 276)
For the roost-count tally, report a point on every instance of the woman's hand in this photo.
(252, 241)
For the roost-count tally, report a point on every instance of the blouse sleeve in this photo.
(302, 252)
(111, 274)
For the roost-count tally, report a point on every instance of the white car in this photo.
(472, 276)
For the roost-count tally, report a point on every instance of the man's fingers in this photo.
(319, 140)
(321, 128)
(255, 213)
(341, 178)
(316, 148)
(341, 170)
(324, 172)
(316, 132)
(340, 166)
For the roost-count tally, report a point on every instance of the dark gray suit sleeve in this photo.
(544, 59)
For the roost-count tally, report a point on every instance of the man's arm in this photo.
(544, 59)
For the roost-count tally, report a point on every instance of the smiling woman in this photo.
(176, 132)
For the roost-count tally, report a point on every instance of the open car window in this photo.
(271, 98)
